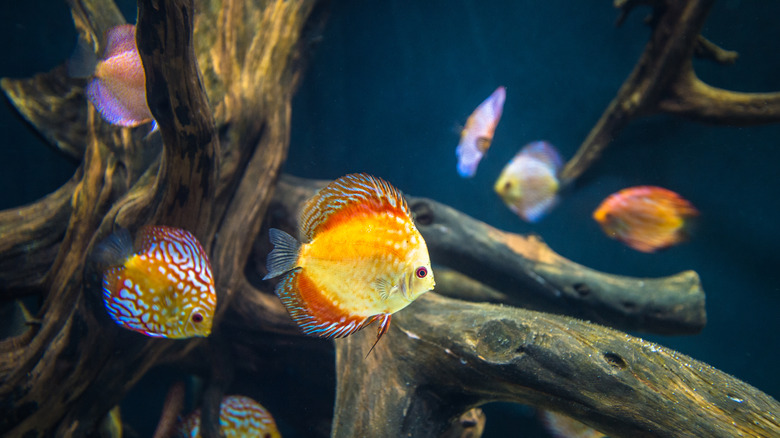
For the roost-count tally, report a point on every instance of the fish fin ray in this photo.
(115, 249)
(384, 326)
(82, 61)
(284, 256)
(384, 287)
(353, 193)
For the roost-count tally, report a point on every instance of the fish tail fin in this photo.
(82, 61)
(115, 249)
(284, 256)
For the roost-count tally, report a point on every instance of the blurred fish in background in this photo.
(476, 137)
(563, 426)
(239, 417)
(529, 185)
(117, 86)
(646, 218)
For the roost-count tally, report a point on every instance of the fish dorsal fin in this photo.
(119, 39)
(544, 152)
(115, 249)
(347, 196)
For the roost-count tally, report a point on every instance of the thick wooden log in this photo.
(663, 81)
(442, 357)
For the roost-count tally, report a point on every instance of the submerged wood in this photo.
(62, 375)
(663, 80)
(442, 357)
(220, 76)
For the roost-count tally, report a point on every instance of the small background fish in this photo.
(563, 426)
(528, 185)
(163, 288)
(646, 218)
(117, 87)
(476, 137)
(239, 417)
(362, 258)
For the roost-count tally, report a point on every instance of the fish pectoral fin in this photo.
(385, 287)
(483, 144)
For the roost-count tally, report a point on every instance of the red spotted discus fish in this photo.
(163, 288)
(476, 137)
(239, 417)
(117, 87)
(361, 260)
(528, 185)
(646, 218)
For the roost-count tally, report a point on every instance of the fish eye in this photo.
(197, 317)
(421, 272)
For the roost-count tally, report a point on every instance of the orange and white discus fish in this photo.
(162, 286)
(476, 137)
(361, 259)
(646, 218)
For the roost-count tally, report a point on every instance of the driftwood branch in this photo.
(220, 77)
(443, 357)
(663, 80)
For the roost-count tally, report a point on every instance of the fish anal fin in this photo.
(384, 326)
(314, 313)
(342, 199)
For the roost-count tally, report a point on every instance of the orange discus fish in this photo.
(161, 288)
(646, 218)
(361, 260)
(239, 417)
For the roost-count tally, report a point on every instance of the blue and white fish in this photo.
(529, 185)
(476, 136)
(117, 86)
(161, 288)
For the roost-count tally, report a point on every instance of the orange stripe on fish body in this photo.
(363, 259)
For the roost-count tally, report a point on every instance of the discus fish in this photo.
(239, 417)
(117, 86)
(361, 260)
(163, 288)
(475, 138)
(563, 426)
(529, 183)
(646, 218)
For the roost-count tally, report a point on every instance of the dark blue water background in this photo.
(389, 83)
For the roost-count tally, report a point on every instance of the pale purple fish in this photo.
(529, 185)
(476, 137)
